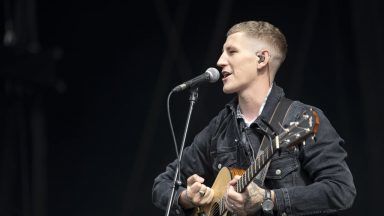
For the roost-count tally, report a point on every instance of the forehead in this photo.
(240, 40)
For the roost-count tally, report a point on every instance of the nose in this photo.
(222, 60)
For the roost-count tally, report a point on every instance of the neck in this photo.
(251, 99)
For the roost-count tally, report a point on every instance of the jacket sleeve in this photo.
(332, 188)
(195, 160)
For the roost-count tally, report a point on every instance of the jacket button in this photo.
(177, 211)
(284, 214)
(278, 172)
(219, 166)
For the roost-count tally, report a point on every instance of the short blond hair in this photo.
(265, 32)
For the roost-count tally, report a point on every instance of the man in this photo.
(311, 179)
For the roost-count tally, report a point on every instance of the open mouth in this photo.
(225, 74)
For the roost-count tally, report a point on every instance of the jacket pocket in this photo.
(282, 171)
(226, 156)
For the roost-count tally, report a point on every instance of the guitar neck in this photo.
(255, 168)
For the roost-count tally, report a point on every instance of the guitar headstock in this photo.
(307, 125)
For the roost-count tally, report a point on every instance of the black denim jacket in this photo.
(310, 180)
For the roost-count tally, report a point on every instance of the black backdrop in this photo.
(84, 85)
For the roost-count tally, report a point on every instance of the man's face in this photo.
(238, 62)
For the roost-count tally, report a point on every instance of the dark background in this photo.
(83, 87)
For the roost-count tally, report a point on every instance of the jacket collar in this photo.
(273, 99)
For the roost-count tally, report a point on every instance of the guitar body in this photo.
(219, 187)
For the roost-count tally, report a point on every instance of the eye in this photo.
(231, 52)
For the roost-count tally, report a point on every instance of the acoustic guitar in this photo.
(293, 135)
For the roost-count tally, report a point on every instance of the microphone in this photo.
(210, 75)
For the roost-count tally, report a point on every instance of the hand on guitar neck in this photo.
(196, 194)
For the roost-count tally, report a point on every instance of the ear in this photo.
(264, 58)
(261, 58)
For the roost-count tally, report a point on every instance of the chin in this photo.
(228, 90)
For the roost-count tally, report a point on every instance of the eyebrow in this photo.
(229, 47)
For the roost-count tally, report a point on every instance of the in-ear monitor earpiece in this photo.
(261, 58)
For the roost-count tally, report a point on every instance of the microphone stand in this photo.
(176, 180)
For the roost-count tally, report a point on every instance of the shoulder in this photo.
(214, 126)
(299, 107)
(325, 128)
(223, 115)
(222, 118)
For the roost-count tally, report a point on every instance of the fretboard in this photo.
(254, 169)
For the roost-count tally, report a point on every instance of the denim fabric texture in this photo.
(312, 179)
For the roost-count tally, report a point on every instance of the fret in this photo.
(245, 177)
(238, 185)
(242, 184)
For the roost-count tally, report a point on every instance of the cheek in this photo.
(250, 62)
(244, 63)
(248, 67)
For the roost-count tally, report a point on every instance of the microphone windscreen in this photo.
(214, 74)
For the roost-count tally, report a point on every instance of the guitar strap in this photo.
(275, 122)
